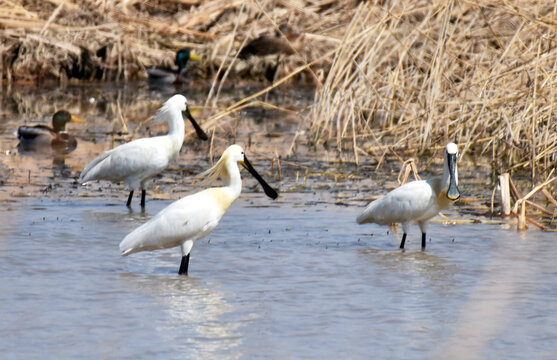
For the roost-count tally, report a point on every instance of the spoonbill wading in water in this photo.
(417, 201)
(193, 217)
(136, 162)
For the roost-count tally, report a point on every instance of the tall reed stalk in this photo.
(418, 74)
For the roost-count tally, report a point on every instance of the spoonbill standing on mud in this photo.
(417, 201)
(193, 217)
(136, 162)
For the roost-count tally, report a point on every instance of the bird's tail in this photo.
(367, 215)
(88, 173)
(361, 219)
(127, 245)
(141, 239)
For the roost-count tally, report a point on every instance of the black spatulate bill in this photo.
(198, 130)
(269, 191)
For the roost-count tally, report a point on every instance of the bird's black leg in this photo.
(423, 241)
(184, 265)
(403, 241)
(128, 204)
(142, 198)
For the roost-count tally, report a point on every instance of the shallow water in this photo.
(290, 278)
(275, 279)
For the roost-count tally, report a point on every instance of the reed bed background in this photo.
(414, 75)
(389, 76)
(116, 40)
(392, 79)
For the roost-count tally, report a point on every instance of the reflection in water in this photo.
(195, 308)
(490, 306)
(59, 167)
(417, 284)
(191, 314)
(58, 156)
(411, 263)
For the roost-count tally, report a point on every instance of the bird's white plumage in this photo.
(452, 148)
(414, 201)
(417, 201)
(192, 217)
(189, 218)
(136, 162)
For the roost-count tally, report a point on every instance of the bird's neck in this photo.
(59, 127)
(176, 128)
(182, 65)
(445, 181)
(446, 175)
(234, 179)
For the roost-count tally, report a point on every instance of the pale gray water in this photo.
(293, 278)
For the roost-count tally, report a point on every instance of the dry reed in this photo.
(116, 40)
(390, 75)
(544, 212)
(418, 74)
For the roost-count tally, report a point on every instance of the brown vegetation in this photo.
(390, 75)
(547, 212)
(117, 40)
(417, 74)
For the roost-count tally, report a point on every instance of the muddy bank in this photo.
(389, 76)
(276, 144)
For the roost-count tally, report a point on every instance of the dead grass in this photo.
(415, 75)
(116, 40)
(390, 75)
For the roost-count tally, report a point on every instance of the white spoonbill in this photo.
(193, 217)
(417, 201)
(136, 162)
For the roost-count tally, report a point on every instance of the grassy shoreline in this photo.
(390, 77)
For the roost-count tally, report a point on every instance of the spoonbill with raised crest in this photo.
(193, 217)
(136, 162)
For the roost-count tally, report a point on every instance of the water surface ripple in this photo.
(282, 281)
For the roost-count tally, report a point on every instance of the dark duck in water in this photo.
(40, 137)
(171, 76)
